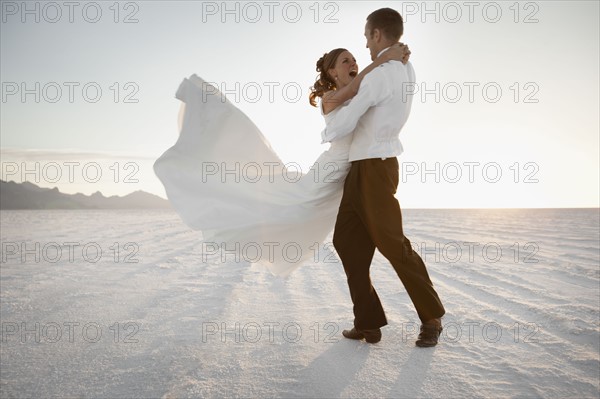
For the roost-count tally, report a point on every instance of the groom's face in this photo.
(371, 41)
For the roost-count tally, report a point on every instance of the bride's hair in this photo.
(324, 82)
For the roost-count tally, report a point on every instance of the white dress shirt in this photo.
(377, 113)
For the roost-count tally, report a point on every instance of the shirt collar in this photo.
(382, 51)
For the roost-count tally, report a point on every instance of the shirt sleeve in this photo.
(372, 91)
(411, 78)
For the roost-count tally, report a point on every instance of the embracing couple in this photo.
(364, 114)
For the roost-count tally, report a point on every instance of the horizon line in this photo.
(403, 207)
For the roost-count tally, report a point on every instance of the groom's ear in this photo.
(375, 35)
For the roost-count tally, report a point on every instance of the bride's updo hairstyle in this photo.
(324, 82)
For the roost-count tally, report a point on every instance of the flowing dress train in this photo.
(224, 179)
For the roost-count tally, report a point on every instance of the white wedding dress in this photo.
(224, 179)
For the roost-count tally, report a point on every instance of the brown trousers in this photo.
(369, 217)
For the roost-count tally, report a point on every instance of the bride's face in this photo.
(345, 69)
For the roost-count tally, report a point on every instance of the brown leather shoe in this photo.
(430, 333)
(371, 336)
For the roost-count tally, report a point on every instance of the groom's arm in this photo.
(373, 89)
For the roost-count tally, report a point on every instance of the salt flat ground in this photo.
(127, 304)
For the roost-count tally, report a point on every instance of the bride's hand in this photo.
(397, 52)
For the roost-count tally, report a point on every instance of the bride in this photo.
(224, 179)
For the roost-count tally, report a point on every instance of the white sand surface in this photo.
(157, 318)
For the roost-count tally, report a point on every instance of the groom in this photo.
(369, 216)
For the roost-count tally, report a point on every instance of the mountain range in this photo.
(27, 195)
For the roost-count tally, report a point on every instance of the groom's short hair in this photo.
(388, 21)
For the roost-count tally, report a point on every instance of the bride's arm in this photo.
(334, 98)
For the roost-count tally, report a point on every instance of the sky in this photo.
(506, 112)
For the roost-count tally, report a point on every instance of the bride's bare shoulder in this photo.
(326, 105)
